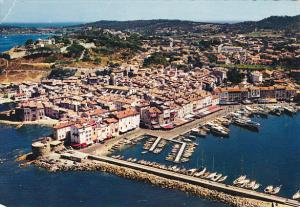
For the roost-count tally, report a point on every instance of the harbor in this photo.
(214, 165)
(189, 156)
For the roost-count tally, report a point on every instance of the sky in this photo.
(50, 11)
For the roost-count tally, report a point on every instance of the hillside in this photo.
(273, 23)
(153, 26)
(163, 25)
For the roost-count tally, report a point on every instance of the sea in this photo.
(270, 156)
(12, 40)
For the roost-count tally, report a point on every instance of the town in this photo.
(100, 89)
(165, 82)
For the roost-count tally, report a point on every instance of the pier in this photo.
(232, 190)
(155, 144)
(180, 152)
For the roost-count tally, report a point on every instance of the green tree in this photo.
(212, 58)
(75, 50)
(97, 61)
(155, 59)
(28, 42)
(235, 76)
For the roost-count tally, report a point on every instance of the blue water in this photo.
(270, 156)
(35, 187)
(42, 25)
(9, 41)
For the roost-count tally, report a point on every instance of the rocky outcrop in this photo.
(153, 179)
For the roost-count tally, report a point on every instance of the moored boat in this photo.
(256, 186)
(276, 190)
(222, 179)
(268, 189)
(198, 174)
(296, 195)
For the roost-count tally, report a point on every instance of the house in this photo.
(257, 77)
(82, 133)
(62, 131)
(30, 111)
(129, 119)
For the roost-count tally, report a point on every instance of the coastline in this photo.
(6, 100)
(54, 162)
(44, 122)
(103, 149)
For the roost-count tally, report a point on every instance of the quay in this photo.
(180, 152)
(155, 144)
(232, 190)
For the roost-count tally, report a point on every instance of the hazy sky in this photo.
(93, 10)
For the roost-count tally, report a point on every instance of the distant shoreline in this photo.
(45, 122)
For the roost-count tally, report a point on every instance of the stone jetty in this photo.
(128, 173)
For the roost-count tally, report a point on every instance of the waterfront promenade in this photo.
(232, 190)
(103, 149)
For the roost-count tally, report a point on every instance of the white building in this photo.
(129, 119)
(82, 134)
(256, 77)
(62, 131)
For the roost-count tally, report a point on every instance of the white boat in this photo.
(144, 152)
(222, 179)
(211, 175)
(217, 177)
(244, 183)
(296, 195)
(269, 189)
(239, 179)
(192, 171)
(276, 190)
(251, 184)
(198, 174)
(256, 186)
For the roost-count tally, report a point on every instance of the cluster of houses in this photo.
(92, 108)
(262, 94)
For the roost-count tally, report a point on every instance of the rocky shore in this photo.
(60, 165)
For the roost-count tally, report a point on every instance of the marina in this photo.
(198, 164)
(198, 181)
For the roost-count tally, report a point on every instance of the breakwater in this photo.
(130, 173)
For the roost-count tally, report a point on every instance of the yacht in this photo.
(195, 131)
(192, 171)
(247, 123)
(289, 110)
(198, 174)
(269, 189)
(244, 183)
(296, 195)
(217, 177)
(256, 186)
(251, 184)
(222, 179)
(211, 175)
(239, 180)
(276, 190)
